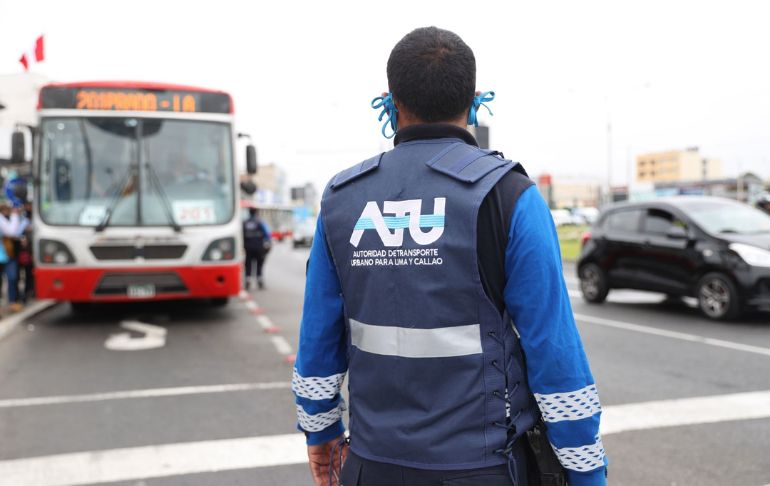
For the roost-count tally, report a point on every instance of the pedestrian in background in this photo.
(434, 270)
(11, 228)
(26, 257)
(257, 244)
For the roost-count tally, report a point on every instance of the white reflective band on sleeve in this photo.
(574, 405)
(319, 421)
(316, 387)
(442, 342)
(582, 459)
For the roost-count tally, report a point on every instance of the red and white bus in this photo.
(136, 193)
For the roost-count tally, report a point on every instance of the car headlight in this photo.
(55, 252)
(219, 250)
(756, 257)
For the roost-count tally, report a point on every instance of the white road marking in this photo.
(685, 411)
(674, 334)
(135, 463)
(243, 294)
(154, 337)
(281, 344)
(251, 305)
(266, 324)
(178, 459)
(147, 393)
(8, 324)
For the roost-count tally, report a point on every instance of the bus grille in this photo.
(117, 283)
(129, 252)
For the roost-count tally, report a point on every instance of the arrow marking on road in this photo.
(153, 337)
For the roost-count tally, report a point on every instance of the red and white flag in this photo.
(37, 54)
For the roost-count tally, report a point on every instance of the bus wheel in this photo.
(219, 301)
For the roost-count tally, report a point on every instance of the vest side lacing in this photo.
(507, 451)
(337, 448)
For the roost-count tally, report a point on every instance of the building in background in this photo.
(570, 192)
(18, 106)
(271, 185)
(676, 166)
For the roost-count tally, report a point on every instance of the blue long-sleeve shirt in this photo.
(536, 298)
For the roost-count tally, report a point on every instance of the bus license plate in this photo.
(141, 291)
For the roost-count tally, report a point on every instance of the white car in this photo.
(303, 232)
(587, 215)
(562, 217)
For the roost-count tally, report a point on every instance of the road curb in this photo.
(9, 323)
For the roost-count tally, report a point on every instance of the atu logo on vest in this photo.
(405, 214)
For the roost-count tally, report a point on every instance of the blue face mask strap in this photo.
(479, 101)
(388, 108)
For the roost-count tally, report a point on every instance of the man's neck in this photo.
(407, 121)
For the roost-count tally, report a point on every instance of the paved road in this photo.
(215, 397)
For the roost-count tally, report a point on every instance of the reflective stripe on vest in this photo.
(438, 342)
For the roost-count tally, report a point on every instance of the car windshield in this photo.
(137, 171)
(728, 217)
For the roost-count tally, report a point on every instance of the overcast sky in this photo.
(668, 74)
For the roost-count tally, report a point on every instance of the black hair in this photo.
(253, 211)
(432, 73)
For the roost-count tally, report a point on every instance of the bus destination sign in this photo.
(131, 99)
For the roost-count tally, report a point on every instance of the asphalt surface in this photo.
(62, 358)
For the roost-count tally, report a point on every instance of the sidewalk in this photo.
(9, 322)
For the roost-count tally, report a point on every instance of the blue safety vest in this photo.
(436, 374)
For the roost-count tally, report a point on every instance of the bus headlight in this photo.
(55, 252)
(219, 250)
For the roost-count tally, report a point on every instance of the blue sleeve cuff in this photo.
(329, 433)
(591, 478)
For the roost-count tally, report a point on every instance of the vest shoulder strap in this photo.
(356, 171)
(467, 163)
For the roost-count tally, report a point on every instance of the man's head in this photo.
(432, 75)
(253, 212)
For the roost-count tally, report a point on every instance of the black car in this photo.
(714, 249)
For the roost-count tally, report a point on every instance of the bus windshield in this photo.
(135, 172)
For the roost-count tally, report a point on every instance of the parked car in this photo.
(716, 250)
(586, 215)
(303, 232)
(563, 217)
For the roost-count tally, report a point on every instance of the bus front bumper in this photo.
(137, 284)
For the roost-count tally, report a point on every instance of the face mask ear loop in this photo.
(388, 108)
(479, 101)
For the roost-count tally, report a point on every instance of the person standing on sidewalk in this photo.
(434, 271)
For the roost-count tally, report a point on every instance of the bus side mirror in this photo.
(248, 187)
(18, 147)
(251, 159)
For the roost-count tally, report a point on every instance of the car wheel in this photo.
(717, 297)
(593, 283)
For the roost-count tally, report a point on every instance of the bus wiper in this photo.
(115, 200)
(155, 181)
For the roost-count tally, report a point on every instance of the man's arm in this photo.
(266, 230)
(537, 300)
(321, 359)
